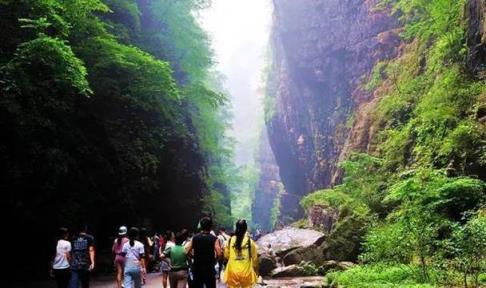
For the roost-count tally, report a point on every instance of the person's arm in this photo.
(142, 259)
(92, 257)
(188, 247)
(217, 249)
(165, 254)
(68, 253)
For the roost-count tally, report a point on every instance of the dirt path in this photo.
(154, 281)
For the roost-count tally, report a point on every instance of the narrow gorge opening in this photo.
(351, 134)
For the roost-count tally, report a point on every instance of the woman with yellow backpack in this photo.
(241, 253)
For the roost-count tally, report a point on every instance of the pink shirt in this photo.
(117, 249)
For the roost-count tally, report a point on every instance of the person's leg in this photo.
(66, 276)
(74, 279)
(165, 276)
(173, 279)
(84, 277)
(221, 268)
(57, 277)
(137, 279)
(127, 279)
(197, 281)
(210, 280)
(182, 283)
(119, 273)
(62, 277)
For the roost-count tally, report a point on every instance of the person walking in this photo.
(134, 253)
(206, 250)
(241, 253)
(119, 258)
(83, 258)
(222, 238)
(147, 245)
(177, 254)
(165, 262)
(61, 267)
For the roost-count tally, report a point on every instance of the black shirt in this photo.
(204, 254)
(80, 252)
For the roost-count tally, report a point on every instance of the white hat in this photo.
(122, 231)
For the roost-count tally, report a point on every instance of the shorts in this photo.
(164, 266)
(119, 260)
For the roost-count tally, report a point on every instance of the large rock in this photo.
(322, 217)
(267, 264)
(282, 241)
(312, 253)
(287, 271)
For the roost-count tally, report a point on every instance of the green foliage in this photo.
(388, 244)
(242, 195)
(308, 269)
(103, 113)
(52, 57)
(403, 276)
(328, 197)
(376, 77)
(470, 248)
(425, 180)
(427, 19)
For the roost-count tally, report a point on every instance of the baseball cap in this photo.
(122, 231)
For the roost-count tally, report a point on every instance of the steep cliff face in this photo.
(269, 187)
(323, 50)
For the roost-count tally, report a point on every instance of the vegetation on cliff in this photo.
(420, 190)
(110, 110)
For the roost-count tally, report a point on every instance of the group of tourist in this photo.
(185, 260)
(74, 260)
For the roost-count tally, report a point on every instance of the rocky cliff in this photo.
(322, 52)
(268, 188)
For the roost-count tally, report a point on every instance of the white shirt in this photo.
(61, 260)
(133, 254)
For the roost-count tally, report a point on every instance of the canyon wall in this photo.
(323, 50)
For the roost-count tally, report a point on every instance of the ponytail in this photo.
(240, 231)
(132, 235)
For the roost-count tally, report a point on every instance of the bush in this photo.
(387, 243)
(380, 275)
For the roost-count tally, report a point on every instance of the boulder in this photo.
(287, 271)
(267, 264)
(312, 253)
(322, 217)
(283, 241)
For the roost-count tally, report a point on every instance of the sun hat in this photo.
(122, 231)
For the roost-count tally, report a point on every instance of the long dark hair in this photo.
(240, 231)
(132, 235)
